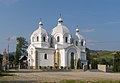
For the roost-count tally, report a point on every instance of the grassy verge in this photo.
(78, 81)
(2, 73)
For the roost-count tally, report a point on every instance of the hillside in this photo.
(101, 53)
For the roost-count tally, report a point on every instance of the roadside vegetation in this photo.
(108, 58)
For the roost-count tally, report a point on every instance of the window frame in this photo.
(76, 43)
(58, 39)
(37, 38)
(45, 56)
(44, 39)
(66, 39)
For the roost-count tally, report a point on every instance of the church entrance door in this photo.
(72, 60)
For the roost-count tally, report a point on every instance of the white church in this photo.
(56, 49)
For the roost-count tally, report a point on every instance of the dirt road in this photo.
(58, 76)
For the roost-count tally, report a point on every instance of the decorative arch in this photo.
(71, 52)
(44, 39)
(58, 37)
(37, 38)
(76, 43)
(67, 38)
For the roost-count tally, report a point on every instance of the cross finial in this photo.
(40, 23)
(77, 26)
(40, 19)
(60, 15)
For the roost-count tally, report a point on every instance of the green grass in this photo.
(78, 81)
(5, 74)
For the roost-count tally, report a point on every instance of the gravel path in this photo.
(58, 76)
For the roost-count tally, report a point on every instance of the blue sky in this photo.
(98, 20)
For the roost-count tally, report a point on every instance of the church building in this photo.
(56, 49)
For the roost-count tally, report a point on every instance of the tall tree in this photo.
(11, 59)
(88, 56)
(116, 66)
(21, 47)
(72, 62)
(78, 64)
(1, 59)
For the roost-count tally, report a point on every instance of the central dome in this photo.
(60, 28)
(40, 30)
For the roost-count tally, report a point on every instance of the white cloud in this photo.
(8, 2)
(88, 30)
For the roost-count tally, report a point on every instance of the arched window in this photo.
(58, 39)
(44, 39)
(76, 43)
(51, 42)
(45, 56)
(37, 38)
(72, 54)
(82, 42)
(66, 39)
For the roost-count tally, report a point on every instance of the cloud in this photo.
(8, 2)
(88, 30)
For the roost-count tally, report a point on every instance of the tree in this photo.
(102, 61)
(11, 59)
(1, 58)
(116, 64)
(94, 63)
(88, 56)
(21, 47)
(79, 64)
(72, 62)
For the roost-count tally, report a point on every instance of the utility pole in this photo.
(8, 52)
(4, 61)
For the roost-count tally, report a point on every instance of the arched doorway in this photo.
(71, 58)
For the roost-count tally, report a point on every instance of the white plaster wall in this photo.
(31, 57)
(50, 57)
(62, 57)
(102, 68)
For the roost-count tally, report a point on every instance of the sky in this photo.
(98, 20)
